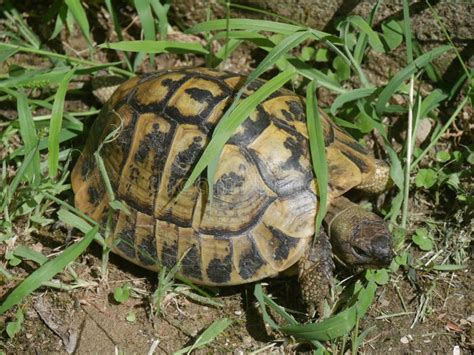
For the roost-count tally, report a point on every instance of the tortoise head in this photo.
(360, 238)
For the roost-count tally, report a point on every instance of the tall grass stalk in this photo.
(406, 188)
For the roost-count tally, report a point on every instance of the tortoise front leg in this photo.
(315, 273)
(377, 182)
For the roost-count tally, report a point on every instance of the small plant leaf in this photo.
(425, 178)
(392, 34)
(443, 156)
(343, 70)
(423, 239)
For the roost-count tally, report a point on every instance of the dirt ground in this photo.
(414, 313)
(90, 321)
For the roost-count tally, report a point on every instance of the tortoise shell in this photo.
(265, 197)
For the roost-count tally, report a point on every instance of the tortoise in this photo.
(261, 220)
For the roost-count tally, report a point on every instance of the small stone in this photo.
(406, 339)
(247, 340)
(456, 350)
(238, 313)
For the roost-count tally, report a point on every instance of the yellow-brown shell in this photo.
(262, 214)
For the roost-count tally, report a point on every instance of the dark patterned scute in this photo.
(126, 241)
(228, 183)
(182, 164)
(284, 243)
(359, 162)
(147, 251)
(219, 270)
(169, 255)
(251, 129)
(94, 195)
(250, 262)
(191, 265)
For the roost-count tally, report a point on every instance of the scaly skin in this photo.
(358, 237)
(315, 273)
(379, 180)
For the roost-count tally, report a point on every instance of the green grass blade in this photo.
(362, 40)
(7, 53)
(405, 73)
(441, 25)
(34, 78)
(65, 58)
(117, 28)
(46, 272)
(29, 136)
(245, 24)
(18, 177)
(24, 252)
(337, 325)
(148, 24)
(75, 221)
(439, 134)
(226, 128)
(161, 10)
(56, 123)
(156, 47)
(22, 27)
(80, 17)
(407, 30)
(146, 18)
(449, 267)
(264, 301)
(364, 27)
(314, 74)
(349, 60)
(432, 101)
(246, 35)
(115, 20)
(61, 11)
(207, 336)
(350, 96)
(224, 52)
(277, 52)
(318, 152)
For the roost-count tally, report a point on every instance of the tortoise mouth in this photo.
(374, 253)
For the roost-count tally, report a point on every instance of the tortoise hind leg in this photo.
(377, 182)
(315, 273)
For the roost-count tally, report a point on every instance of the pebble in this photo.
(456, 350)
(406, 339)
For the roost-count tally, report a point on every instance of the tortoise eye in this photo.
(360, 252)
